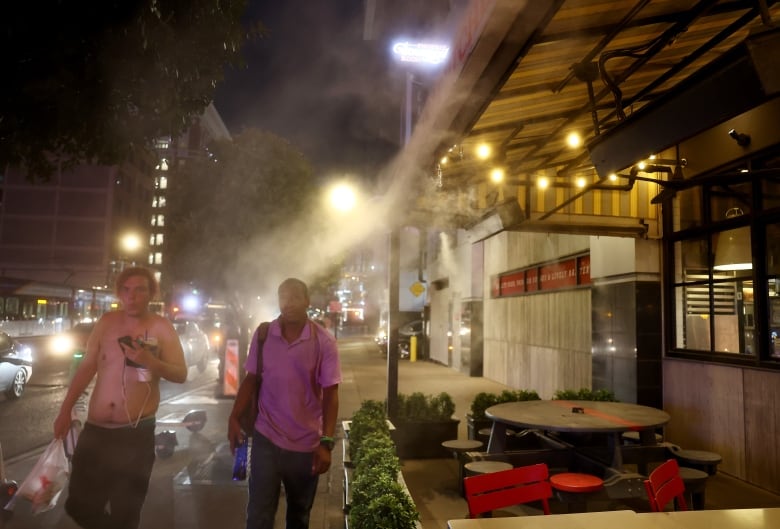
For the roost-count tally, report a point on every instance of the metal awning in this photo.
(540, 71)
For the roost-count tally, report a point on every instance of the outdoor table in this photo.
(717, 518)
(577, 416)
(768, 518)
(588, 520)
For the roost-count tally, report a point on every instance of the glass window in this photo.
(687, 209)
(770, 194)
(691, 258)
(729, 201)
(733, 254)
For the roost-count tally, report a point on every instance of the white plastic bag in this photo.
(44, 483)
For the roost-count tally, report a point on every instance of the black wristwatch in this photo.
(327, 442)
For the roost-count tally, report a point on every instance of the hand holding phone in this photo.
(127, 341)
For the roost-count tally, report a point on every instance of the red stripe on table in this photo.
(600, 414)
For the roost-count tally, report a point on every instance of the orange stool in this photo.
(573, 487)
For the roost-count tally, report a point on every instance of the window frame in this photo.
(757, 218)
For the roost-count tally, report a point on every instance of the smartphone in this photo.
(127, 341)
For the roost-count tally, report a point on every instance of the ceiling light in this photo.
(612, 177)
(497, 175)
(444, 160)
(581, 182)
(543, 182)
(483, 151)
(574, 140)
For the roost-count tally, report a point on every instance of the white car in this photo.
(195, 343)
(15, 366)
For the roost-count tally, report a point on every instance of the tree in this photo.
(98, 82)
(243, 215)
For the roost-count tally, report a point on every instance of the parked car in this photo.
(195, 343)
(15, 366)
(405, 333)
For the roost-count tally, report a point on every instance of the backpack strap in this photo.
(262, 334)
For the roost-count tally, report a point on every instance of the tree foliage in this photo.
(99, 81)
(252, 188)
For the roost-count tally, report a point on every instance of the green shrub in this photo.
(369, 419)
(391, 509)
(377, 499)
(419, 407)
(603, 395)
(483, 400)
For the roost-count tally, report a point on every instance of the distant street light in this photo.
(131, 242)
(343, 197)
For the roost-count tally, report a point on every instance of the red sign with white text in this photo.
(567, 273)
(513, 283)
(583, 267)
(558, 275)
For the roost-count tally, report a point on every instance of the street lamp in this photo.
(342, 197)
(130, 243)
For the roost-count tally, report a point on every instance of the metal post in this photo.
(393, 315)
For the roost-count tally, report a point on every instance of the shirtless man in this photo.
(113, 459)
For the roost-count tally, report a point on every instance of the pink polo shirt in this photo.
(290, 407)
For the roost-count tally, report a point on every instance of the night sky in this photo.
(315, 81)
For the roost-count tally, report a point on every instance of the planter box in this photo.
(422, 440)
(473, 426)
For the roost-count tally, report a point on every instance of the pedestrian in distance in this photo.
(297, 410)
(127, 354)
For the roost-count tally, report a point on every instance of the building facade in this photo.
(609, 172)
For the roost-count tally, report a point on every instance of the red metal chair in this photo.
(487, 492)
(664, 485)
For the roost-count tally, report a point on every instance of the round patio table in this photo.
(579, 416)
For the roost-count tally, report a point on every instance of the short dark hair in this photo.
(293, 281)
(139, 271)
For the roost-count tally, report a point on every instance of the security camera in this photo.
(743, 140)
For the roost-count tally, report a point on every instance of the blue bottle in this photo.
(239, 463)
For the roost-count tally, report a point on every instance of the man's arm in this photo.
(330, 410)
(169, 363)
(81, 379)
(246, 392)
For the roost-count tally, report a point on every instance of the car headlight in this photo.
(61, 344)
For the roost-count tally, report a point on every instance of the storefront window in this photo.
(772, 245)
(716, 280)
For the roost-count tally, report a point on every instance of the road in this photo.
(26, 423)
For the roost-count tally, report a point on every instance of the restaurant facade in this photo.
(606, 178)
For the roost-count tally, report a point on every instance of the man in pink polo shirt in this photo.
(297, 411)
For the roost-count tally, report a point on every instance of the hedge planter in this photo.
(423, 439)
(473, 426)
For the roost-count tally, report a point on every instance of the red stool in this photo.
(570, 485)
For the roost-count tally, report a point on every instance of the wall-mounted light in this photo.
(743, 140)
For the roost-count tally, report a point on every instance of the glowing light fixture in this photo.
(581, 182)
(131, 242)
(497, 175)
(421, 52)
(483, 151)
(543, 182)
(342, 197)
(574, 140)
(612, 177)
(641, 165)
(444, 160)
(733, 251)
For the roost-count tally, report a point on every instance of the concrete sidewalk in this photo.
(192, 489)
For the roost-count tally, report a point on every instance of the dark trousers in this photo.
(110, 476)
(271, 466)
